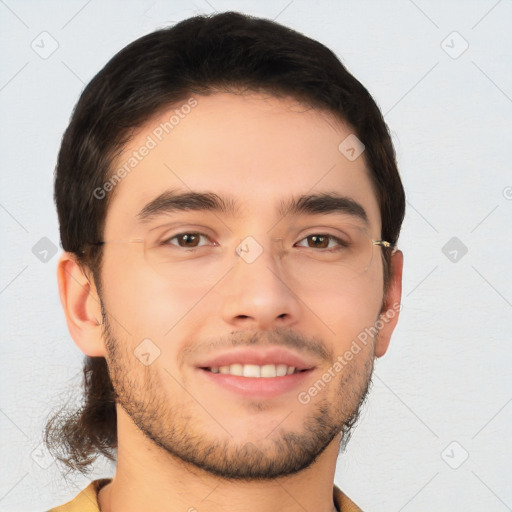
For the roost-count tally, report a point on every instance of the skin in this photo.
(260, 150)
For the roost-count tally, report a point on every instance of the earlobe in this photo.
(81, 305)
(388, 317)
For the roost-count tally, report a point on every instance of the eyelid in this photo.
(166, 239)
(179, 227)
(338, 240)
(345, 232)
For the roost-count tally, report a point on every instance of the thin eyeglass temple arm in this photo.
(382, 243)
(385, 244)
(103, 242)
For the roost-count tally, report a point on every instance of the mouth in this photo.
(265, 371)
(257, 373)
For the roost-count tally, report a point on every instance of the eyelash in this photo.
(340, 242)
(167, 240)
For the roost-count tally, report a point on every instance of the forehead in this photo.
(255, 149)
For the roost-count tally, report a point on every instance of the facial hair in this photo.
(174, 427)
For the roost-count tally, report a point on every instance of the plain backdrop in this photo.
(435, 434)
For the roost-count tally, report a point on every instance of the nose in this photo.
(255, 292)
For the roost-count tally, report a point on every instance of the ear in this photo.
(391, 308)
(81, 305)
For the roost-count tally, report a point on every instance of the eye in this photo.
(322, 241)
(187, 240)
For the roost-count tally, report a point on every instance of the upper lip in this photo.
(257, 356)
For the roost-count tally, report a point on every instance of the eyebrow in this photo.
(172, 201)
(324, 203)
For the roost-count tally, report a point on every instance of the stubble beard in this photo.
(173, 428)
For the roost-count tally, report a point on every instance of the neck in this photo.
(150, 479)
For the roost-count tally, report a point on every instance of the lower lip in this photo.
(258, 387)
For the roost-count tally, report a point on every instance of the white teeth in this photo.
(281, 370)
(253, 370)
(236, 369)
(269, 370)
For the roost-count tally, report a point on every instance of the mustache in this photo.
(279, 336)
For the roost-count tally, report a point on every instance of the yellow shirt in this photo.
(87, 500)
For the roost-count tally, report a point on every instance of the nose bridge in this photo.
(255, 290)
(250, 248)
(257, 262)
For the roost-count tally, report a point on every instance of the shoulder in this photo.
(343, 502)
(86, 500)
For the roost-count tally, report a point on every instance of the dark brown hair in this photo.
(200, 55)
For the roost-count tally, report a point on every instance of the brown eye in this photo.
(187, 240)
(319, 241)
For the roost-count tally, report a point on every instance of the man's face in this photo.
(259, 289)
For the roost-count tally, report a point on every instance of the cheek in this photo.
(144, 303)
(347, 309)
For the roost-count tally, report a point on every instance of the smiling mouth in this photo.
(254, 370)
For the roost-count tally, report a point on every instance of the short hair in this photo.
(201, 55)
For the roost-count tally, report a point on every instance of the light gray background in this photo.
(443, 391)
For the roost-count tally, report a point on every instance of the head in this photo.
(240, 124)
